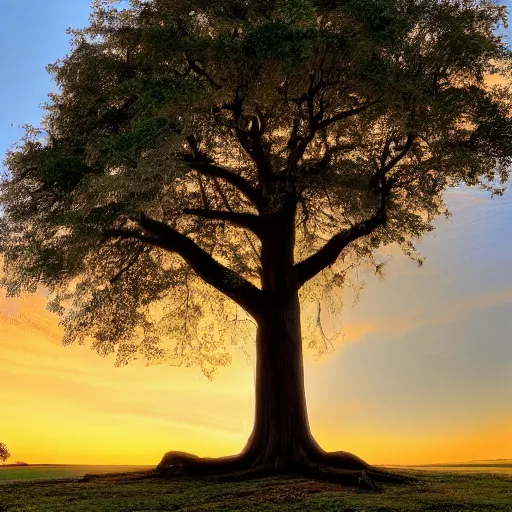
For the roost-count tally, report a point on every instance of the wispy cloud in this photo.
(398, 325)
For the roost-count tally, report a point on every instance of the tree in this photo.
(207, 160)
(4, 452)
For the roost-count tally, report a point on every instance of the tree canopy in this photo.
(180, 127)
(4, 452)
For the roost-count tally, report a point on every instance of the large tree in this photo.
(203, 162)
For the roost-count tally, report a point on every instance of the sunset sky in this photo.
(423, 374)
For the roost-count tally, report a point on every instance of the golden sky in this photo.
(422, 375)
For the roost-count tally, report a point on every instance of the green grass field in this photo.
(60, 471)
(503, 466)
(433, 491)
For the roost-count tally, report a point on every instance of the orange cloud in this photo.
(399, 325)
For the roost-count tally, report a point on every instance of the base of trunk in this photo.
(338, 467)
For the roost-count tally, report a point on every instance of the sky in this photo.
(422, 374)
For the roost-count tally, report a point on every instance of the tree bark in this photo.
(281, 437)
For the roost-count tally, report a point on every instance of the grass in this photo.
(138, 492)
(502, 466)
(59, 471)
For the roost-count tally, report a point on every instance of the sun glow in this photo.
(67, 405)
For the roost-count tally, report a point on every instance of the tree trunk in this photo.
(281, 435)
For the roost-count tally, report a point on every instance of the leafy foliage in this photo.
(181, 126)
(4, 452)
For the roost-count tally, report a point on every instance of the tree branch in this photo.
(228, 206)
(297, 143)
(202, 72)
(385, 167)
(346, 114)
(251, 138)
(243, 220)
(239, 182)
(380, 183)
(329, 253)
(405, 149)
(133, 261)
(227, 281)
(312, 168)
(317, 86)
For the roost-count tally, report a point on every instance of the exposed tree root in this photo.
(174, 463)
(328, 474)
(340, 460)
(380, 475)
(346, 461)
(337, 467)
(249, 474)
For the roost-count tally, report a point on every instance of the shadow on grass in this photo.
(143, 491)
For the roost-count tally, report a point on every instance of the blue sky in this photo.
(32, 35)
(423, 376)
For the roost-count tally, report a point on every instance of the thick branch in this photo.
(243, 220)
(330, 252)
(251, 141)
(227, 281)
(239, 182)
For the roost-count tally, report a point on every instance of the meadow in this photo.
(60, 471)
(442, 491)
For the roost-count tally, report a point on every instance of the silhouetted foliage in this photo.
(4, 452)
(251, 146)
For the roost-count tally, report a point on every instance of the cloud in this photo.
(431, 315)
(28, 314)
